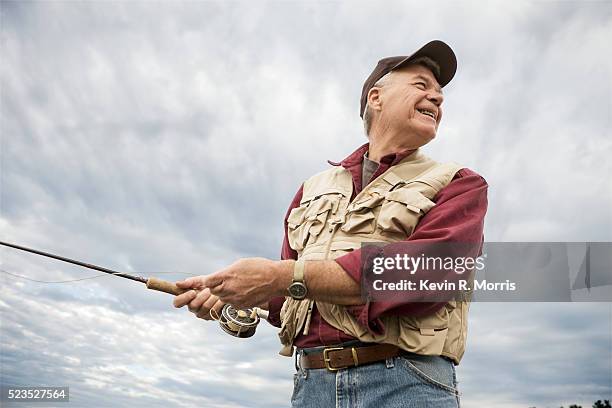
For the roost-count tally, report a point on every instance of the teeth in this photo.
(428, 113)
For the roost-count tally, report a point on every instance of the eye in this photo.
(421, 85)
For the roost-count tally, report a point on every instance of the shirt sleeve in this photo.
(457, 217)
(276, 303)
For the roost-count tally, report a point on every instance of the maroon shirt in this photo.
(457, 217)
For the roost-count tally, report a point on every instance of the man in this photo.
(353, 351)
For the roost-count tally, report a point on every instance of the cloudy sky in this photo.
(158, 137)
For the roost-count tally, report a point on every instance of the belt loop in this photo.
(296, 361)
(298, 364)
(389, 362)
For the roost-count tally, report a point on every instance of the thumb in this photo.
(191, 283)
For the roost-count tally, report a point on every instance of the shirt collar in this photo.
(356, 157)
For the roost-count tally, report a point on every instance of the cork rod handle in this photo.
(164, 286)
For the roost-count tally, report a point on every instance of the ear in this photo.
(374, 99)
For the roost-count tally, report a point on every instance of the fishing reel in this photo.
(239, 322)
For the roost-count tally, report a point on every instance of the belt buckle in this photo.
(327, 359)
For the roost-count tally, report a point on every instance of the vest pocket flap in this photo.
(428, 325)
(360, 217)
(413, 200)
(317, 207)
(392, 178)
(309, 211)
(297, 231)
(359, 223)
(427, 331)
(324, 192)
(367, 202)
(296, 216)
(402, 211)
(346, 246)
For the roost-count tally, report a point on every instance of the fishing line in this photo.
(89, 277)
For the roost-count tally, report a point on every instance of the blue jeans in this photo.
(407, 381)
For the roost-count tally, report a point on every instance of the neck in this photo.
(385, 141)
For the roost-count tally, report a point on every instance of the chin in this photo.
(427, 137)
(426, 133)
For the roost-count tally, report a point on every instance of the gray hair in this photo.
(424, 61)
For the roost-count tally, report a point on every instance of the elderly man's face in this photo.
(411, 104)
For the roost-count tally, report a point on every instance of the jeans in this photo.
(407, 381)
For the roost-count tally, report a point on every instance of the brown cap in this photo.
(437, 50)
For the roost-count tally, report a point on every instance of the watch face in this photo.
(297, 290)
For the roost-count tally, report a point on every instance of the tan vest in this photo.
(327, 225)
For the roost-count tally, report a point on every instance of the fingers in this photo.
(184, 298)
(199, 300)
(203, 302)
(199, 282)
(217, 308)
(191, 283)
(210, 302)
(213, 303)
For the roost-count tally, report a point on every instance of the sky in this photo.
(168, 138)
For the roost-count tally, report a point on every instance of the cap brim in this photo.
(440, 52)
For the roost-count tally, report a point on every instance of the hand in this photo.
(250, 282)
(200, 301)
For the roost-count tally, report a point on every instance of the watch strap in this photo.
(298, 270)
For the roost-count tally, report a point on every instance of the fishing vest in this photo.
(327, 224)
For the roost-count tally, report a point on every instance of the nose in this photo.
(436, 97)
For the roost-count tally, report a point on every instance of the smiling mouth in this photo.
(427, 113)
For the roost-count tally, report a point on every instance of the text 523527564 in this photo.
(35, 394)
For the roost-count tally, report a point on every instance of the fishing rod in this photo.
(236, 322)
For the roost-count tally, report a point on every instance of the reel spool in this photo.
(238, 322)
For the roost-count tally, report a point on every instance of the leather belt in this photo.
(336, 358)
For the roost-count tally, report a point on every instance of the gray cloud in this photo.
(172, 139)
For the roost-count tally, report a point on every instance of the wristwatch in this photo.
(297, 289)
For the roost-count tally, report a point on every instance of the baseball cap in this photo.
(437, 50)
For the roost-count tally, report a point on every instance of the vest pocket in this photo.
(295, 228)
(427, 334)
(402, 210)
(360, 218)
(306, 222)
